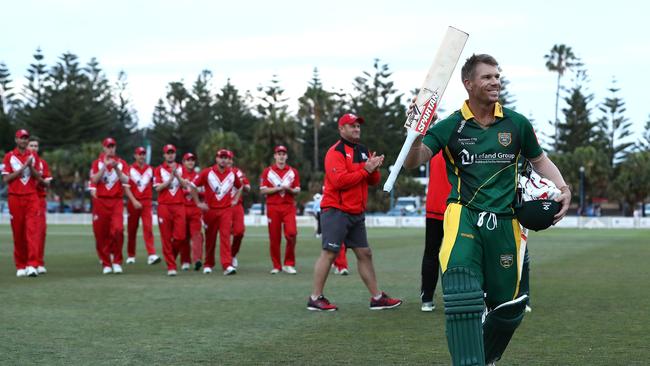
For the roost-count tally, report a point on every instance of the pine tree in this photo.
(577, 129)
(8, 108)
(317, 108)
(614, 126)
(644, 142)
(505, 98)
(126, 117)
(560, 59)
(233, 113)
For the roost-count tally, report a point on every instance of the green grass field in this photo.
(589, 294)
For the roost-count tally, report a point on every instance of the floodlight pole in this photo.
(582, 190)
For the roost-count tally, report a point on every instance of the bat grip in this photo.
(392, 177)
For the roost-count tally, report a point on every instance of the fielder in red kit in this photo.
(218, 182)
(238, 227)
(141, 181)
(22, 177)
(193, 217)
(108, 179)
(279, 183)
(41, 189)
(168, 182)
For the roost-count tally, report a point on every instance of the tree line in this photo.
(71, 107)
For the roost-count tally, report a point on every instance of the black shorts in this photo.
(339, 227)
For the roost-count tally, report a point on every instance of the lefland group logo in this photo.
(468, 158)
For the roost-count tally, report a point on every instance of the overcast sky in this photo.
(156, 42)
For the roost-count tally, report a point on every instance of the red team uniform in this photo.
(171, 213)
(141, 182)
(281, 209)
(218, 219)
(41, 190)
(24, 209)
(194, 222)
(238, 227)
(108, 211)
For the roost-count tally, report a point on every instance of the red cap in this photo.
(223, 153)
(169, 147)
(22, 133)
(280, 148)
(231, 154)
(140, 150)
(189, 156)
(109, 141)
(349, 118)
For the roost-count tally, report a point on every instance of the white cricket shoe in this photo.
(427, 306)
(235, 262)
(185, 267)
(275, 271)
(21, 273)
(117, 269)
(31, 271)
(107, 270)
(172, 273)
(289, 270)
(153, 259)
(41, 270)
(230, 271)
(528, 309)
(207, 270)
(130, 260)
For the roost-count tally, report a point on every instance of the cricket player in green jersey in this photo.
(482, 254)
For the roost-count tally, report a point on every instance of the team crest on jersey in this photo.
(505, 138)
(141, 180)
(506, 260)
(278, 181)
(221, 187)
(16, 164)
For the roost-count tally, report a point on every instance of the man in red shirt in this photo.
(193, 217)
(349, 169)
(238, 227)
(22, 176)
(108, 179)
(141, 182)
(168, 182)
(41, 189)
(437, 193)
(280, 183)
(218, 182)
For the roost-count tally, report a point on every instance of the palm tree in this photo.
(560, 59)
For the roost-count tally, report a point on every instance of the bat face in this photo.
(422, 115)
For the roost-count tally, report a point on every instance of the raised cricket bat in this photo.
(428, 99)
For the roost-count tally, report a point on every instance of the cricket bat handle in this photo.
(411, 135)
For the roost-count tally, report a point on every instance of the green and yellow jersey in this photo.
(482, 162)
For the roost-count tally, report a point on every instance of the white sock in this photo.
(377, 297)
(314, 298)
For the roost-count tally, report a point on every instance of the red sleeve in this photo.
(46, 170)
(157, 180)
(199, 179)
(374, 178)
(7, 166)
(264, 182)
(237, 182)
(94, 167)
(296, 181)
(338, 174)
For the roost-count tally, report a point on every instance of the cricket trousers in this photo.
(108, 226)
(238, 228)
(171, 223)
(194, 235)
(134, 216)
(341, 260)
(279, 216)
(218, 221)
(42, 223)
(24, 214)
